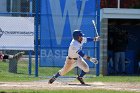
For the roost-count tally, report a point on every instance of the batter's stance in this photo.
(75, 57)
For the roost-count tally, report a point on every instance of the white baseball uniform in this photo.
(74, 59)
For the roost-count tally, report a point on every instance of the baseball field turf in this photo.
(21, 82)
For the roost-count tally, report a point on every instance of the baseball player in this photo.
(76, 57)
(16, 56)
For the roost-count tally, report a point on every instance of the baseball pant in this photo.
(71, 63)
(119, 57)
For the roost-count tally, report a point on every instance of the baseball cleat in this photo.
(52, 80)
(81, 80)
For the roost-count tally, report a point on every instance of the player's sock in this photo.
(82, 73)
(54, 78)
(57, 75)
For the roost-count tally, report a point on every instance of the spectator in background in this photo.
(110, 52)
(6, 56)
(120, 45)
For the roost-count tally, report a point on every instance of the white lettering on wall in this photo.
(57, 53)
(59, 18)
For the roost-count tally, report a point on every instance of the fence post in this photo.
(30, 63)
(98, 28)
(36, 38)
(30, 52)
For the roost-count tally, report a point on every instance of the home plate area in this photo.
(71, 84)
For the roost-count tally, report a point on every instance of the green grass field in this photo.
(22, 75)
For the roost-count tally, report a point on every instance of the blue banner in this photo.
(58, 20)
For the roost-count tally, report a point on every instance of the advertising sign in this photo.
(16, 33)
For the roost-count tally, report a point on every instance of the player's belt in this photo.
(72, 58)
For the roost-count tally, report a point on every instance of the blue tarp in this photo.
(58, 20)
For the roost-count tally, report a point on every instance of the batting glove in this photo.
(97, 38)
(94, 60)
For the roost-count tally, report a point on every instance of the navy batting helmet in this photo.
(77, 33)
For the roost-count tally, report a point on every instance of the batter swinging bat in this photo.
(95, 28)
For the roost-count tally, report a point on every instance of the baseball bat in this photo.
(95, 27)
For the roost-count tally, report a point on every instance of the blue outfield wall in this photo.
(58, 20)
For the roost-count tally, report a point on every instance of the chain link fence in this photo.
(18, 26)
(17, 29)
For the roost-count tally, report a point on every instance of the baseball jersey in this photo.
(75, 46)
